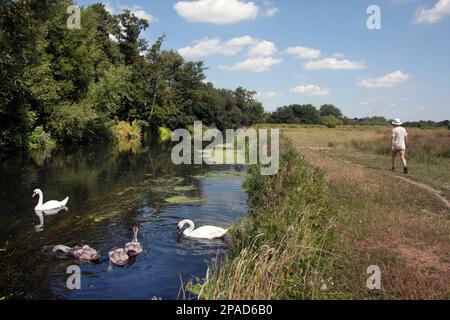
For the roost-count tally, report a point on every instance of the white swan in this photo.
(49, 205)
(205, 232)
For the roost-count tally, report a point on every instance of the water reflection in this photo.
(40, 214)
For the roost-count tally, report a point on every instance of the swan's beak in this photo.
(178, 230)
(34, 193)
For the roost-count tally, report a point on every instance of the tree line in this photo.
(77, 85)
(80, 86)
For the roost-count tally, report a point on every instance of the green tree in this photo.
(129, 42)
(330, 110)
(296, 114)
(374, 121)
(20, 22)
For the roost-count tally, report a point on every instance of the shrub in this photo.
(126, 132)
(164, 134)
(39, 139)
(331, 121)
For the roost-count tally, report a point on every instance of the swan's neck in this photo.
(135, 236)
(41, 199)
(191, 227)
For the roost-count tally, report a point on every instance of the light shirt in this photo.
(399, 134)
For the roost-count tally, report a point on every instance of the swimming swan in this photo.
(84, 253)
(205, 232)
(49, 205)
(118, 256)
(133, 248)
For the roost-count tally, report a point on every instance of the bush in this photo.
(127, 132)
(164, 134)
(39, 139)
(331, 121)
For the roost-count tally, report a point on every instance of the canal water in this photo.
(111, 189)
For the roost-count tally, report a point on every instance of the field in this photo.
(400, 223)
(333, 210)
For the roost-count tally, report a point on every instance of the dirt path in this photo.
(420, 185)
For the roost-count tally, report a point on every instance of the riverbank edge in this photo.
(283, 248)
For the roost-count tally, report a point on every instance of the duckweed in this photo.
(183, 199)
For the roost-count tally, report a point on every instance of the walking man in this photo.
(398, 143)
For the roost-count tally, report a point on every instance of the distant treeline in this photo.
(332, 116)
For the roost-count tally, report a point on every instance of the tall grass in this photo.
(283, 248)
(423, 145)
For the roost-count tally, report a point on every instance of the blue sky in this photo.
(315, 51)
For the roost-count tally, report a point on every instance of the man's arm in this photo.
(406, 139)
(392, 140)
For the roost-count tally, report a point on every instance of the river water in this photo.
(111, 189)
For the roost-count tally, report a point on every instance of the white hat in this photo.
(397, 122)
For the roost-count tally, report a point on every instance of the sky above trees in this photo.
(314, 51)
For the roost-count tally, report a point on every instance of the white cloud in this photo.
(386, 81)
(335, 64)
(258, 64)
(269, 94)
(206, 47)
(270, 12)
(217, 11)
(310, 90)
(240, 41)
(142, 14)
(364, 103)
(263, 48)
(206, 81)
(434, 14)
(136, 10)
(303, 52)
(270, 9)
(108, 7)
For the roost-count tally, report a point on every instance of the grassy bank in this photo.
(382, 220)
(283, 248)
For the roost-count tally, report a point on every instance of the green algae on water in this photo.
(184, 188)
(183, 199)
